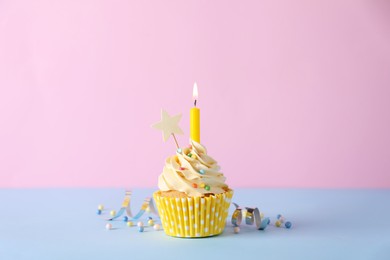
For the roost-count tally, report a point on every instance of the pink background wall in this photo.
(292, 93)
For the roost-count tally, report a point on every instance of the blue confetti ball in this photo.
(201, 171)
(99, 212)
(179, 150)
(141, 229)
(278, 216)
(288, 224)
(125, 219)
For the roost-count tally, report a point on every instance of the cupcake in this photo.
(193, 198)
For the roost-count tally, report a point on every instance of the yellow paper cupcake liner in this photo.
(194, 216)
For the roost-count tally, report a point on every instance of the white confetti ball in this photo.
(156, 227)
(108, 226)
(140, 224)
(236, 230)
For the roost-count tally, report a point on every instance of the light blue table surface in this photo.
(327, 224)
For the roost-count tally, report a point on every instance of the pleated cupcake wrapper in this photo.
(194, 216)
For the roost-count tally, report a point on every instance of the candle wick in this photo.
(195, 102)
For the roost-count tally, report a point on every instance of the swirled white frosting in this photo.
(184, 173)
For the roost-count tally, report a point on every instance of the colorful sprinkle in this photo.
(189, 155)
(108, 226)
(98, 212)
(151, 222)
(278, 216)
(277, 223)
(100, 207)
(202, 185)
(125, 219)
(130, 223)
(207, 187)
(141, 229)
(193, 156)
(236, 230)
(147, 209)
(288, 224)
(194, 185)
(201, 171)
(157, 227)
(112, 212)
(182, 168)
(179, 150)
(150, 218)
(140, 224)
(269, 221)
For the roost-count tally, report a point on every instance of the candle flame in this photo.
(195, 91)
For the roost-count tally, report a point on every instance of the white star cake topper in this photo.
(169, 125)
